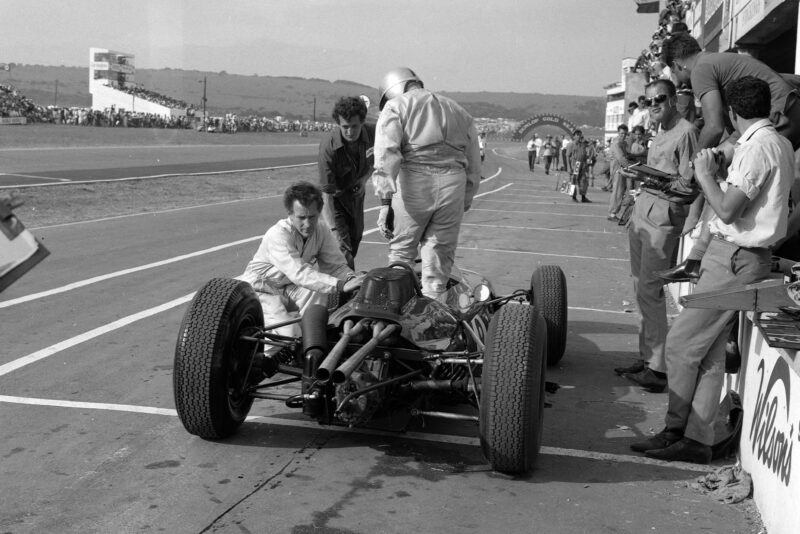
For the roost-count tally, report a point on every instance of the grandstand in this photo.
(112, 84)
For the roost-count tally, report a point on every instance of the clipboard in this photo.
(650, 171)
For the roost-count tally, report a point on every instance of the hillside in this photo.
(287, 96)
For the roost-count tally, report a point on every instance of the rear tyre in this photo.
(212, 363)
(512, 389)
(549, 295)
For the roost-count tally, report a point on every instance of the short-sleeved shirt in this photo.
(717, 71)
(763, 169)
(672, 151)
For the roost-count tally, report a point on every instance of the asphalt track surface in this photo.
(26, 167)
(91, 443)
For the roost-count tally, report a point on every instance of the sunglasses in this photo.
(658, 99)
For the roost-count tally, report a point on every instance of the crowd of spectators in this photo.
(152, 96)
(14, 104)
(650, 59)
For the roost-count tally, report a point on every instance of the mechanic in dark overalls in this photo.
(345, 163)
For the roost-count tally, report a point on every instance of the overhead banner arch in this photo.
(538, 121)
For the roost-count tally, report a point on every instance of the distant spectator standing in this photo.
(537, 142)
(345, 163)
(619, 159)
(638, 144)
(531, 153)
(576, 161)
(591, 159)
(549, 151)
(482, 145)
(639, 116)
(564, 144)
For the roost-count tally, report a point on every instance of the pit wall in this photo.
(768, 383)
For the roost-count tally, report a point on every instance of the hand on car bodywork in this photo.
(354, 283)
(386, 221)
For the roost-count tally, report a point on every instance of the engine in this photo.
(360, 409)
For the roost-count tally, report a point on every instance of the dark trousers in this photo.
(531, 159)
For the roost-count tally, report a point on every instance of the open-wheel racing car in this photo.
(386, 353)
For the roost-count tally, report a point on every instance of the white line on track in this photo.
(123, 272)
(91, 334)
(525, 252)
(313, 425)
(615, 234)
(33, 176)
(146, 147)
(542, 212)
(168, 175)
(533, 253)
(151, 213)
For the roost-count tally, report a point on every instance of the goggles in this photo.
(658, 99)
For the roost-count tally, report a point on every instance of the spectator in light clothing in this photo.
(531, 153)
(640, 116)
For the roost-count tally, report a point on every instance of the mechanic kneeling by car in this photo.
(298, 262)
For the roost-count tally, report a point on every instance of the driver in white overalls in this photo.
(427, 170)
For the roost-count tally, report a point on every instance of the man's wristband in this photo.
(386, 201)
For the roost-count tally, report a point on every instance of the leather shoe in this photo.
(685, 450)
(648, 380)
(637, 367)
(662, 440)
(688, 271)
(585, 200)
(612, 218)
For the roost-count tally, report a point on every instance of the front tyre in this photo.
(512, 389)
(212, 363)
(549, 294)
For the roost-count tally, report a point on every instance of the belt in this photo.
(727, 240)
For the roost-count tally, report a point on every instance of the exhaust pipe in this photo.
(325, 369)
(379, 332)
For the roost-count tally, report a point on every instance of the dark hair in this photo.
(577, 132)
(665, 83)
(679, 27)
(304, 192)
(348, 107)
(638, 128)
(679, 46)
(622, 127)
(749, 97)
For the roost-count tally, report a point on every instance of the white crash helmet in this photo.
(394, 84)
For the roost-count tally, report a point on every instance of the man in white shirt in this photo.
(640, 116)
(531, 152)
(298, 262)
(750, 216)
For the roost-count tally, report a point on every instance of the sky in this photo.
(572, 47)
